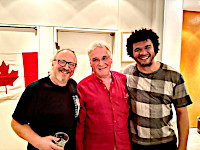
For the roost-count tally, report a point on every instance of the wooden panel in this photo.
(190, 61)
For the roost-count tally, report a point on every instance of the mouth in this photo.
(63, 70)
(102, 68)
(144, 57)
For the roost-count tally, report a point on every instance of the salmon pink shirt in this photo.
(103, 117)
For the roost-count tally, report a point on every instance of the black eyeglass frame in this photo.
(70, 64)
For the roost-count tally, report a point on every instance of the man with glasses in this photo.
(48, 106)
(103, 117)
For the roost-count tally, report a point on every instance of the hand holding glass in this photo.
(63, 139)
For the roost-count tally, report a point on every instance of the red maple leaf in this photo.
(5, 77)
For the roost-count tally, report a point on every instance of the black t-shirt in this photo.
(48, 109)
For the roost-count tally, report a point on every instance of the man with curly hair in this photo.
(154, 87)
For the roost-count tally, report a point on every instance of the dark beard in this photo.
(144, 65)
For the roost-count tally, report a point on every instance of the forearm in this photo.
(25, 132)
(183, 127)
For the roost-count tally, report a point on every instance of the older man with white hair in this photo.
(103, 118)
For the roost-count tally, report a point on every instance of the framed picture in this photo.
(124, 56)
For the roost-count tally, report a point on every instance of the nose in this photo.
(67, 66)
(101, 62)
(143, 51)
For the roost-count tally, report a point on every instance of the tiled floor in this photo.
(193, 140)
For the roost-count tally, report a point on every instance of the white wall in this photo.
(172, 33)
(98, 14)
(8, 139)
(191, 5)
(46, 49)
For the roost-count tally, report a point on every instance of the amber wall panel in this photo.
(190, 61)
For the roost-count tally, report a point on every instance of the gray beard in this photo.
(61, 79)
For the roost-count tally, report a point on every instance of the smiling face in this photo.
(100, 62)
(143, 53)
(60, 75)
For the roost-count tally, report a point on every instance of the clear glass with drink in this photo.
(63, 139)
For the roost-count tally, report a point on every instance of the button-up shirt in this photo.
(103, 117)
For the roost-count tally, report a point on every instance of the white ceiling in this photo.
(191, 5)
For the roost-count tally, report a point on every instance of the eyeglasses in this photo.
(63, 63)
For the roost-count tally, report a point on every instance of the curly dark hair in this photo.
(142, 35)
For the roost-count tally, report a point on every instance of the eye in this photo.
(95, 59)
(148, 46)
(62, 61)
(137, 50)
(71, 63)
(105, 57)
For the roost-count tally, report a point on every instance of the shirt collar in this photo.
(99, 80)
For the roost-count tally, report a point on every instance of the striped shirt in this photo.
(152, 96)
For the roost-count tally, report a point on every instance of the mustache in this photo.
(64, 70)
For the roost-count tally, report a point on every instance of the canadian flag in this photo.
(17, 70)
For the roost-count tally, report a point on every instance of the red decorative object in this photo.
(30, 63)
(5, 77)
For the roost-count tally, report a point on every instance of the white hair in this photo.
(100, 44)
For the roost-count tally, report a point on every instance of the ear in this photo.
(53, 62)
